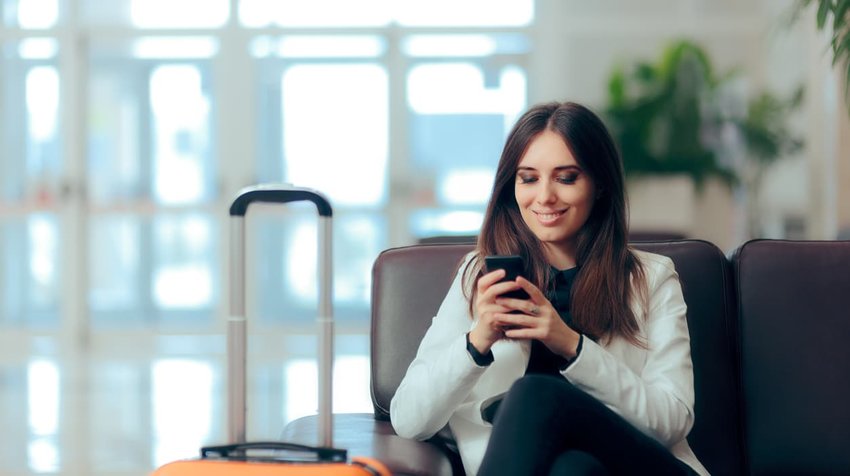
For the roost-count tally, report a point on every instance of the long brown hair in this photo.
(602, 290)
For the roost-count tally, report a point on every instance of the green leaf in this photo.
(617, 88)
(823, 11)
(843, 51)
(847, 83)
(839, 15)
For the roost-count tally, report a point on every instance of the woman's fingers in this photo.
(513, 320)
(526, 306)
(532, 290)
(489, 279)
(490, 287)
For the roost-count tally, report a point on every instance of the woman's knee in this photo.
(574, 462)
(546, 394)
(553, 398)
(543, 387)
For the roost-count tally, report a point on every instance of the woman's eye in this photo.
(568, 179)
(527, 179)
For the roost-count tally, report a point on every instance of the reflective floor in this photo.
(135, 403)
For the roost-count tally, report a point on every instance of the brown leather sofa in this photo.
(769, 328)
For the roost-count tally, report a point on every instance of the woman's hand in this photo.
(537, 319)
(489, 328)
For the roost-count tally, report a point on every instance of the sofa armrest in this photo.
(362, 435)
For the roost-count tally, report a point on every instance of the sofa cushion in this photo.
(794, 305)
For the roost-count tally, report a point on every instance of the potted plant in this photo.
(657, 113)
(674, 135)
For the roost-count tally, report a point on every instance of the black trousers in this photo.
(546, 426)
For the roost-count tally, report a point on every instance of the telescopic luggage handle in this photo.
(282, 193)
(236, 326)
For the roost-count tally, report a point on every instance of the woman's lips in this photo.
(547, 218)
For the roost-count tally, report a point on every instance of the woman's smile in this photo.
(549, 217)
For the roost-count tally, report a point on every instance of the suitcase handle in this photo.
(236, 325)
(278, 193)
(322, 453)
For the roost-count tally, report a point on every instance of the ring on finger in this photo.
(535, 310)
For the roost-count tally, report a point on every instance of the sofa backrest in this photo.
(705, 275)
(794, 303)
(409, 284)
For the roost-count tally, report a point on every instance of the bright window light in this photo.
(449, 45)
(513, 87)
(43, 397)
(178, 179)
(464, 12)
(331, 46)
(43, 387)
(42, 96)
(182, 408)
(440, 222)
(179, 13)
(186, 286)
(466, 187)
(170, 47)
(317, 13)
(364, 240)
(181, 112)
(183, 278)
(460, 88)
(43, 251)
(335, 126)
(43, 455)
(115, 260)
(260, 13)
(38, 14)
(38, 48)
(350, 386)
(301, 262)
(302, 391)
(300, 13)
(315, 46)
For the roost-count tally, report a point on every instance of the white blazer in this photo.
(651, 388)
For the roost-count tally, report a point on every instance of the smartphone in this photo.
(514, 266)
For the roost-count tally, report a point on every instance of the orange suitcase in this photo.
(219, 461)
(275, 458)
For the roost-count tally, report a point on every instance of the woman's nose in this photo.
(545, 193)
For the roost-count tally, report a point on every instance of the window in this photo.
(154, 233)
(399, 124)
(402, 130)
(30, 173)
(127, 126)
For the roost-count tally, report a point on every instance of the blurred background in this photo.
(126, 127)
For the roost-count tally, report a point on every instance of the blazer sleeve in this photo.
(659, 398)
(442, 374)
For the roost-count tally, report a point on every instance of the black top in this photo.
(543, 360)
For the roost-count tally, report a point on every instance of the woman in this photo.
(590, 375)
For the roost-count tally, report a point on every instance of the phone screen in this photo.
(514, 266)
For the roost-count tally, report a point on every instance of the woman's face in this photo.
(555, 196)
